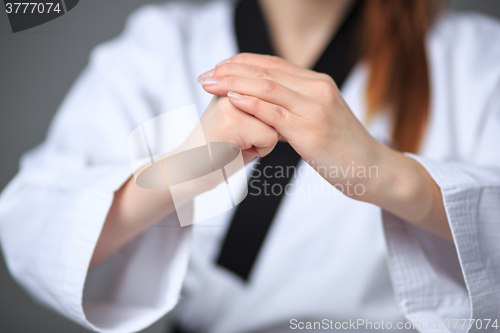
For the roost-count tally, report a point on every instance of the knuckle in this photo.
(229, 83)
(265, 73)
(240, 58)
(326, 90)
(269, 87)
(326, 78)
(273, 60)
(280, 113)
(255, 104)
(229, 118)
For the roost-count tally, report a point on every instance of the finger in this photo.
(256, 137)
(266, 90)
(271, 62)
(263, 143)
(223, 122)
(252, 153)
(294, 82)
(248, 155)
(273, 115)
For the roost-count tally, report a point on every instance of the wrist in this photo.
(402, 187)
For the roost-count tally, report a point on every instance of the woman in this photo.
(413, 79)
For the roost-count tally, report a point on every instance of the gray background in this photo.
(37, 67)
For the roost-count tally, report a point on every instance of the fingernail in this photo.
(232, 94)
(208, 81)
(207, 75)
(223, 62)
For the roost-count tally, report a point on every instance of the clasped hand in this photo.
(268, 97)
(305, 107)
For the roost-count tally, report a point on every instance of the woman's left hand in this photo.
(308, 110)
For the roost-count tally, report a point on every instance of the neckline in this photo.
(342, 51)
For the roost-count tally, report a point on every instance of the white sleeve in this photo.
(434, 280)
(52, 212)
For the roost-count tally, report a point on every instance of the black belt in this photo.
(255, 214)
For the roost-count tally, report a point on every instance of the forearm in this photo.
(133, 210)
(404, 188)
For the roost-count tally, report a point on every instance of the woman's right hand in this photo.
(222, 122)
(134, 209)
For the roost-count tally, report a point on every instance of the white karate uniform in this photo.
(325, 257)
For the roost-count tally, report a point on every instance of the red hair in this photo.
(394, 33)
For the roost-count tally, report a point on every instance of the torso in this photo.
(325, 254)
